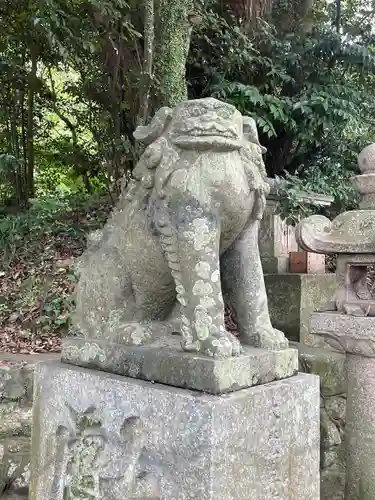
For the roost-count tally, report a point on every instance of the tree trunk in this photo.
(248, 11)
(173, 31)
(30, 126)
(148, 60)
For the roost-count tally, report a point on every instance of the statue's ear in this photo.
(250, 132)
(149, 133)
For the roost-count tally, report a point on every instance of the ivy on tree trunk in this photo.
(173, 31)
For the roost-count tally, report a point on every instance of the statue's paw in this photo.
(272, 339)
(222, 346)
(352, 309)
(134, 333)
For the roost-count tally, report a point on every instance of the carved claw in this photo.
(134, 333)
(273, 339)
(351, 309)
(225, 346)
(329, 306)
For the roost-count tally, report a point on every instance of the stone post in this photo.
(348, 322)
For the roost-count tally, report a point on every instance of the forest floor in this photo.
(37, 278)
(37, 275)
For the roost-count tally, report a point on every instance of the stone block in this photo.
(13, 495)
(125, 438)
(331, 368)
(293, 297)
(16, 381)
(306, 262)
(275, 265)
(328, 364)
(360, 453)
(15, 420)
(16, 390)
(15, 463)
(333, 484)
(351, 334)
(164, 361)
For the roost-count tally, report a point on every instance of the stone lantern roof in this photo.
(352, 232)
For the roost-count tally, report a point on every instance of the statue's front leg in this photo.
(191, 241)
(243, 281)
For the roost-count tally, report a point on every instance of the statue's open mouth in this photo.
(213, 133)
(208, 130)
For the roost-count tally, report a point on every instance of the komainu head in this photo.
(206, 123)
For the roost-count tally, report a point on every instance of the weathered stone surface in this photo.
(12, 495)
(331, 368)
(330, 434)
(164, 362)
(15, 462)
(349, 233)
(261, 442)
(336, 408)
(16, 381)
(329, 365)
(184, 234)
(349, 324)
(360, 428)
(333, 484)
(273, 240)
(16, 384)
(14, 420)
(352, 334)
(293, 297)
(275, 265)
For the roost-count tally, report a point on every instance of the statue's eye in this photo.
(224, 112)
(196, 112)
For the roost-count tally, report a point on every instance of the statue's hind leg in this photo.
(243, 281)
(153, 293)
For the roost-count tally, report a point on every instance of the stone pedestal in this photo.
(101, 436)
(165, 362)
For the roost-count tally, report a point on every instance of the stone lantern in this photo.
(347, 323)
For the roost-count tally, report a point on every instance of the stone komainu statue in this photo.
(183, 238)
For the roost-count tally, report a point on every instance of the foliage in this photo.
(334, 181)
(64, 94)
(48, 217)
(307, 92)
(77, 76)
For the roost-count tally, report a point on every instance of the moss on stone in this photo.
(14, 420)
